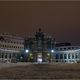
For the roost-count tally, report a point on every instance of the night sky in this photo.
(58, 19)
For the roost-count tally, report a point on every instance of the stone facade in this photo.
(39, 47)
(69, 54)
(11, 46)
(43, 48)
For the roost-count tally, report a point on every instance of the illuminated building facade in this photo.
(69, 54)
(11, 47)
(40, 48)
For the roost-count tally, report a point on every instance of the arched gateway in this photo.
(38, 48)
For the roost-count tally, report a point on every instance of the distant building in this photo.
(62, 44)
(11, 46)
(69, 54)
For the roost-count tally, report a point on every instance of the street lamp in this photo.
(26, 50)
(52, 51)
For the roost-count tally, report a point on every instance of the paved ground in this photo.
(39, 71)
(5, 65)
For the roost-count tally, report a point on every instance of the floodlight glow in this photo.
(27, 50)
(52, 51)
(39, 60)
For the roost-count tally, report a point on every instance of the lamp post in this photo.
(26, 54)
(26, 50)
(52, 51)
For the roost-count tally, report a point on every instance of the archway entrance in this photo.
(43, 57)
(39, 57)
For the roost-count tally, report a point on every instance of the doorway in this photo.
(39, 58)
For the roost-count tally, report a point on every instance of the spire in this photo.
(39, 34)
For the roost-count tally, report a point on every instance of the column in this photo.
(67, 56)
(71, 56)
(8, 56)
(63, 57)
(74, 55)
(11, 56)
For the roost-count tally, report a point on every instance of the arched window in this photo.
(69, 56)
(5, 55)
(76, 55)
(65, 56)
(61, 56)
(57, 56)
(72, 55)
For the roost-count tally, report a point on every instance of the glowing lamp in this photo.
(52, 51)
(27, 51)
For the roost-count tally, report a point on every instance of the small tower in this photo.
(39, 34)
(39, 29)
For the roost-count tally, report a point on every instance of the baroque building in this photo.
(39, 47)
